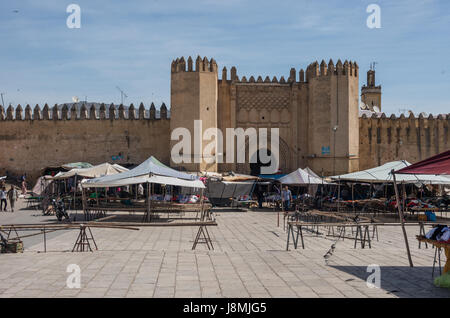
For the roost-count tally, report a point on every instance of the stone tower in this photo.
(371, 94)
(193, 100)
(333, 110)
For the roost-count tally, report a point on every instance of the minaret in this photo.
(371, 94)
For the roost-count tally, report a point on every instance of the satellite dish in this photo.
(363, 106)
(376, 109)
(75, 99)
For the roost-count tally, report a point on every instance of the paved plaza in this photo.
(249, 260)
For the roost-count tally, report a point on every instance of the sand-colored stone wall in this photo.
(316, 113)
(33, 144)
(384, 139)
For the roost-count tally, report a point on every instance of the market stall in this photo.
(303, 178)
(230, 189)
(381, 177)
(148, 174)
(438, 166)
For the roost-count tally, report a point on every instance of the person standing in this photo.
(287, 197)
(260, 196)
(140, 190)
(3, 199)
(13, 195)
(23, 180)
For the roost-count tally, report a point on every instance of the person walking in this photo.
(3, 199)
(13, 195)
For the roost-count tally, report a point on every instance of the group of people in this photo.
(12, 195)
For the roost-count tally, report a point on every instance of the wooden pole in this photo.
(202, 216)
(404, 196)
(83, 200)
(74, 196)
(402, 221)
(339, 194)
(298, 193)
(353, 198)
(148, 202)
(282, 205)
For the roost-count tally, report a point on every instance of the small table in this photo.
(439, 246)
(247, 203)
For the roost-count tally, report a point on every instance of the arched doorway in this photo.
(256, 163)
(284, 159)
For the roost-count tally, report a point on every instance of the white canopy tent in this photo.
(41, 184)
(383, 174)
(104, 169)
(301, 177)
(151, 171)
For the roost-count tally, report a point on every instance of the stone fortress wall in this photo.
(316, 111)
(305, 108)
(412, 138)
(33, 140)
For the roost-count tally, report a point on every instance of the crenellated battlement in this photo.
(411, 115)
(104, 112)
(386, 138)
(201, 65)
(306, 104)
(348, 68)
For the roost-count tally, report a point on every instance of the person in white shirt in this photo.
(140, 190)
(3, 199)
(13, 195)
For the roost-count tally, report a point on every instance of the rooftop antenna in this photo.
(122, 94)
(372, 66)
(3, 102)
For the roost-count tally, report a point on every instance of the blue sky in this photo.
(131, 44)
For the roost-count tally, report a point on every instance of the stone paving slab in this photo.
(249, 260)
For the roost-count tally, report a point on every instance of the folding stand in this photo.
(203, 237)
(363, 238)
(422, 233)
(82, 243)
(437, 252)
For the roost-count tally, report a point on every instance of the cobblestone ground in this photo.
(249, 260)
